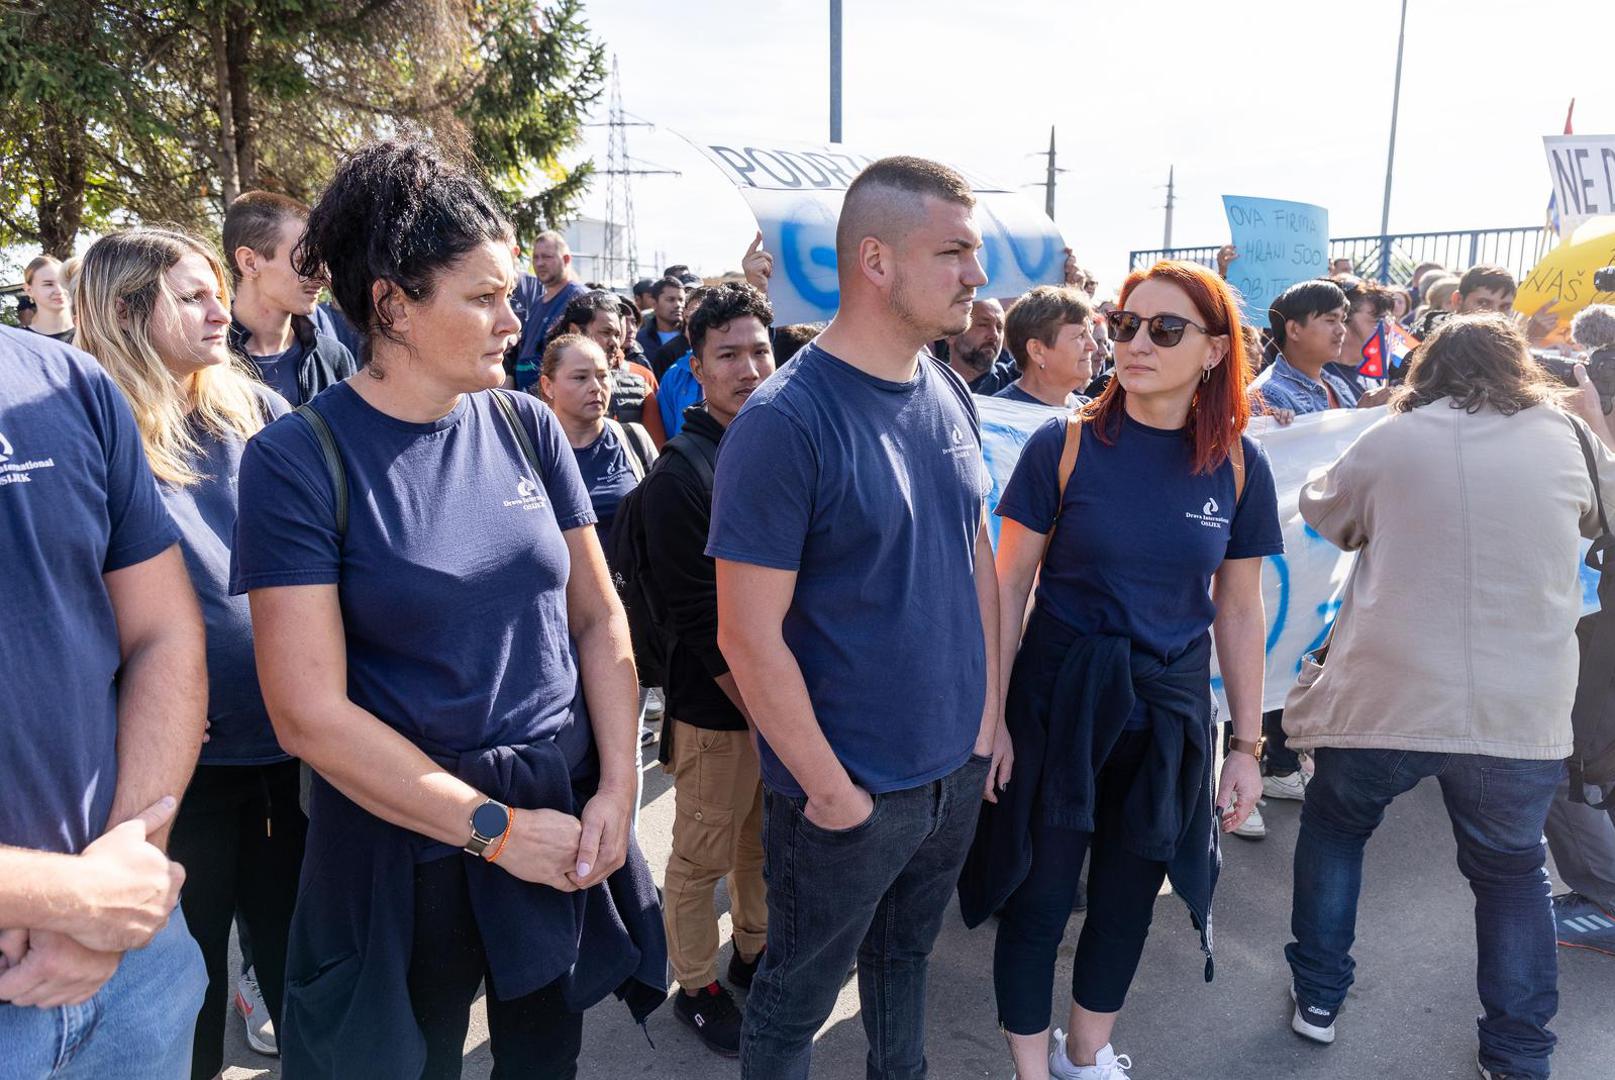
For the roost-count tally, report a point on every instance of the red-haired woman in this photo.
(1149, 514)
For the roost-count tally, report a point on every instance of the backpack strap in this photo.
(1068, 465)
(333, 464)
(507, 409)
(1598, 491)
(1237, 457)
(693, 448)
(637, 462)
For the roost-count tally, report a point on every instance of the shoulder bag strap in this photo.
(333, 464)
(507, 409)
(1237, 456)
(1067, 466)
(636, 453)
(1598, 491)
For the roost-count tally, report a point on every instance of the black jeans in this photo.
(240, 835)
(533, 1037)
(877, 891)
(1121, 900)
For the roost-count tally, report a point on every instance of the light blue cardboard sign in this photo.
(1279, 244)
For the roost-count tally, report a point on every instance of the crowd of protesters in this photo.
(344, 616)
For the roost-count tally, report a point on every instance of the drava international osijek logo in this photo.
(1210, 515)
(16, 472)
(528, 496)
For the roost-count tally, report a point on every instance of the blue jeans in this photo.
(136, 1027)
(1498, 807)
(877, 892)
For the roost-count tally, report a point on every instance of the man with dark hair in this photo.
(539, 300)
(273, 309)
(678, 387)
(643, 300)
(1486, 290)
(977, 353)
(848, 510)
(707, 747)
(666, 316)
(1308, 323)
(790, 340)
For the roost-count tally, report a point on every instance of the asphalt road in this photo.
(1411, 1014)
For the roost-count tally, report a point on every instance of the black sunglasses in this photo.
(1165, 330)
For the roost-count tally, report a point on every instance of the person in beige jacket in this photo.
(1453, 656)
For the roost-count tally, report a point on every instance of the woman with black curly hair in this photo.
(474, 741)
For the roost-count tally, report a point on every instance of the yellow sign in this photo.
(1562, 283)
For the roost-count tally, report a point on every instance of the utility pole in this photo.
(1048, 185)
(620, 247)
(1390, 153)
(1171, 199)
(1048, 181)
(835, 71)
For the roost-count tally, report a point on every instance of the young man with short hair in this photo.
(666, 317)
(718, 826)
(274, 305)
(1487, 290)
(848, 512)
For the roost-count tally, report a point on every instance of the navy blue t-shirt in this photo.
(1140, 535)
(77, 501)
(608, 472)
(540, 316)
(279, 372)
(206, 515)
(871, 491)
(452, 576)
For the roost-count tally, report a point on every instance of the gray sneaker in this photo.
(1253, 827)
(249, 1003)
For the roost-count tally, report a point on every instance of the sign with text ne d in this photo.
(1279, 244)
(1583, 171)
(795, 190)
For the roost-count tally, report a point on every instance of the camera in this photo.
(1604, 280)
(1600, 369)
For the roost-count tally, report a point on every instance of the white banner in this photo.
(1301, 589)
(795, 192)
(1583, 172)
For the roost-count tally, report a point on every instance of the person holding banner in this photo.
(1108, 722)
(1454, 656)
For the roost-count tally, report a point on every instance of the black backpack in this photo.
(632, 562)
(1593, 718)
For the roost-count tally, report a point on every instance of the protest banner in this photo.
(1301, 589)
(1582, 168)
(795, 190)
(1562, 283)
(1279, 244)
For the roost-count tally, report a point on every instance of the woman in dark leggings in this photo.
(1148, 514)
(473, 740)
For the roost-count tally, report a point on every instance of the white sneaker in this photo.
(1312, 1021)
(1253, 828)
(655, 704)
(1108, 1065)
(250, 1004)
(1293, 786)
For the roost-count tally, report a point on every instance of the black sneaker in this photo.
(742, 972)
(1580, 923)
(1313, 1021)
(712, 1013)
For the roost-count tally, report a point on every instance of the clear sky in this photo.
(1282, 98)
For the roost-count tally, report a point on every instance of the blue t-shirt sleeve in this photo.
(140, 525)
(1032, 495)
(569, 495)
(1256, 530)
(286, 521)
(762, 501)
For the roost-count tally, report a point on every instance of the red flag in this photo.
(1373, 365)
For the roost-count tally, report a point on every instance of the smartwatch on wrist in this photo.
(1248, 746)
(488, 823)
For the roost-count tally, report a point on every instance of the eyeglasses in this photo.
(1165, 330)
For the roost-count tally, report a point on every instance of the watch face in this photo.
(490, 819)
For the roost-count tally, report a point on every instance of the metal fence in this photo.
(1391, 259)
